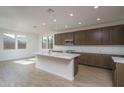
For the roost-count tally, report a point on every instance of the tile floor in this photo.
(22, 73)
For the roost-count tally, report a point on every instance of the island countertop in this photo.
(58, 55)
(118, 59)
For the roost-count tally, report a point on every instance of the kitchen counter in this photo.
(58, 55)
(80, 52)
(118, 59)
(62, 64)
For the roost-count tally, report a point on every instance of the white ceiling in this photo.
(23, 18)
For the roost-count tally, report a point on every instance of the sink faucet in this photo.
(50, 50)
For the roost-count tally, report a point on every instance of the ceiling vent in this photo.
(35, 26)
(50, 11)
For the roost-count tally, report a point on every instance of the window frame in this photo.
(9, 46)
(24, 37)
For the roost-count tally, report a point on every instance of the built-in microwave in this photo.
(69, 42)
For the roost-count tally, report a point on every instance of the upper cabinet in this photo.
(113, 35)
(88, 37)
(60, 38)
(117, 35)
(105, 38)
(93, 37)
(80, 38)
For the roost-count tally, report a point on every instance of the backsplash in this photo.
(102, 49)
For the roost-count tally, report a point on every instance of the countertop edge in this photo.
(118, 59)
(60, 56)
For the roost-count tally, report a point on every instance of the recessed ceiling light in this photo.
(66, 26)
(98, 19)
(79, 23)
(43, 24)
(96, 7)
(71, 14)
(54, 20)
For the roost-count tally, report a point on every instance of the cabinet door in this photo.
(96, 60)
(93, 37)
(99, 60)
(117, 35)
(68, 35)
(80, 38)
(82, 59)
(58, 39)
(89, 59)
(62, 36)
(105, 35)
(106, 61)
(120, 75)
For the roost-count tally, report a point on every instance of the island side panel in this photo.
(57, 66)
(75, 66)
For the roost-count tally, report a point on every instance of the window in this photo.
(21, 41)
(8, 41)
(47, 42)
(50, 42)
(44, 42)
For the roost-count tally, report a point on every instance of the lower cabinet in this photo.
(118, 75)
(98, 60)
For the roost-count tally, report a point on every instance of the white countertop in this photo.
(118, 59)
(58, 55)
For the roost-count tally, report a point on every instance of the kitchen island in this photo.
(61, 64)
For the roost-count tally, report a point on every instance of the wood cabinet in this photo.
(88, 37)
(113, 35)
(117, 35)
(93, 37)
(80, 38)
(60, 38)
(82, 59)
(106, 61)
(98, 60)
(105, 38)
(118, 76)
(75, 66)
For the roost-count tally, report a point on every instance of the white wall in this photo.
(104, 49)
(32, 46)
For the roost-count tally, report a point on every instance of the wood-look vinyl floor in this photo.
(22, 73)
